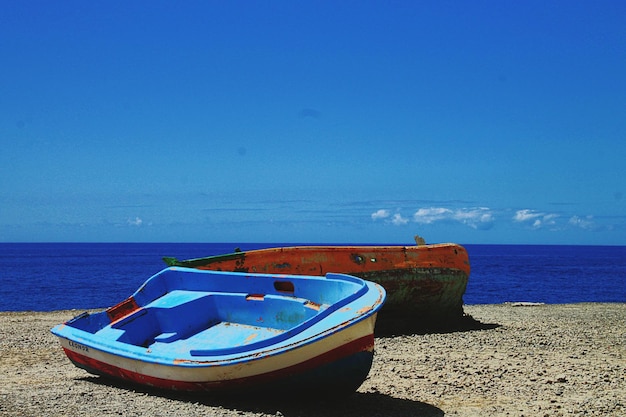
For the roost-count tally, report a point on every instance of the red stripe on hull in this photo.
(355, 348)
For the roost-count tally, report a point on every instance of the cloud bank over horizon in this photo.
(484, 218)
(477, 218)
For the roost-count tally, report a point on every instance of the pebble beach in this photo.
(514, 360)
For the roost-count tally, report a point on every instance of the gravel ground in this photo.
(517, 360)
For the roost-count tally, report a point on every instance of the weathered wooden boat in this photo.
(193, 330)
(424, 283)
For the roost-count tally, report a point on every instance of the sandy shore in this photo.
(546, 360)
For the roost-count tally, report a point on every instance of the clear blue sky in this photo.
(313, 121)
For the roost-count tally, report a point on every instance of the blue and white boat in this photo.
(197, 330)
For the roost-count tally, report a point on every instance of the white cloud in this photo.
(398, 220)
(550, 219)
(380, 214)
(135, 222)
(584, 223)
(484, 218)
(526, 215)
(476, 218)
(431, 215)
(536, 218)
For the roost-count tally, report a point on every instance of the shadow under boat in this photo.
(357, 404)
(389, 326)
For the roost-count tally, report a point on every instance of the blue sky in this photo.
(319, 122)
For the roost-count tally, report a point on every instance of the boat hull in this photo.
(423, 283)
(340, 369)
(193, 330)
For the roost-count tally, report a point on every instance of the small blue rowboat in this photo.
(197, 330)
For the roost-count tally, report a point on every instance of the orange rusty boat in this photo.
(424, 283)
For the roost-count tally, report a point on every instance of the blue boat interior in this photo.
(205, 313)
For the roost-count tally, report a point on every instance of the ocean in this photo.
(58, 276)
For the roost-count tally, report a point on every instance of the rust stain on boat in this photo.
(250, 337)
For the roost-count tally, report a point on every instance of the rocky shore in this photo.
(510, 359)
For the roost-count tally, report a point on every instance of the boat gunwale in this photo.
(193, 262)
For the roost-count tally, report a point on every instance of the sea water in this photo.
(55, 276)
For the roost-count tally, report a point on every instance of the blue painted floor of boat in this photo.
(224, 335)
